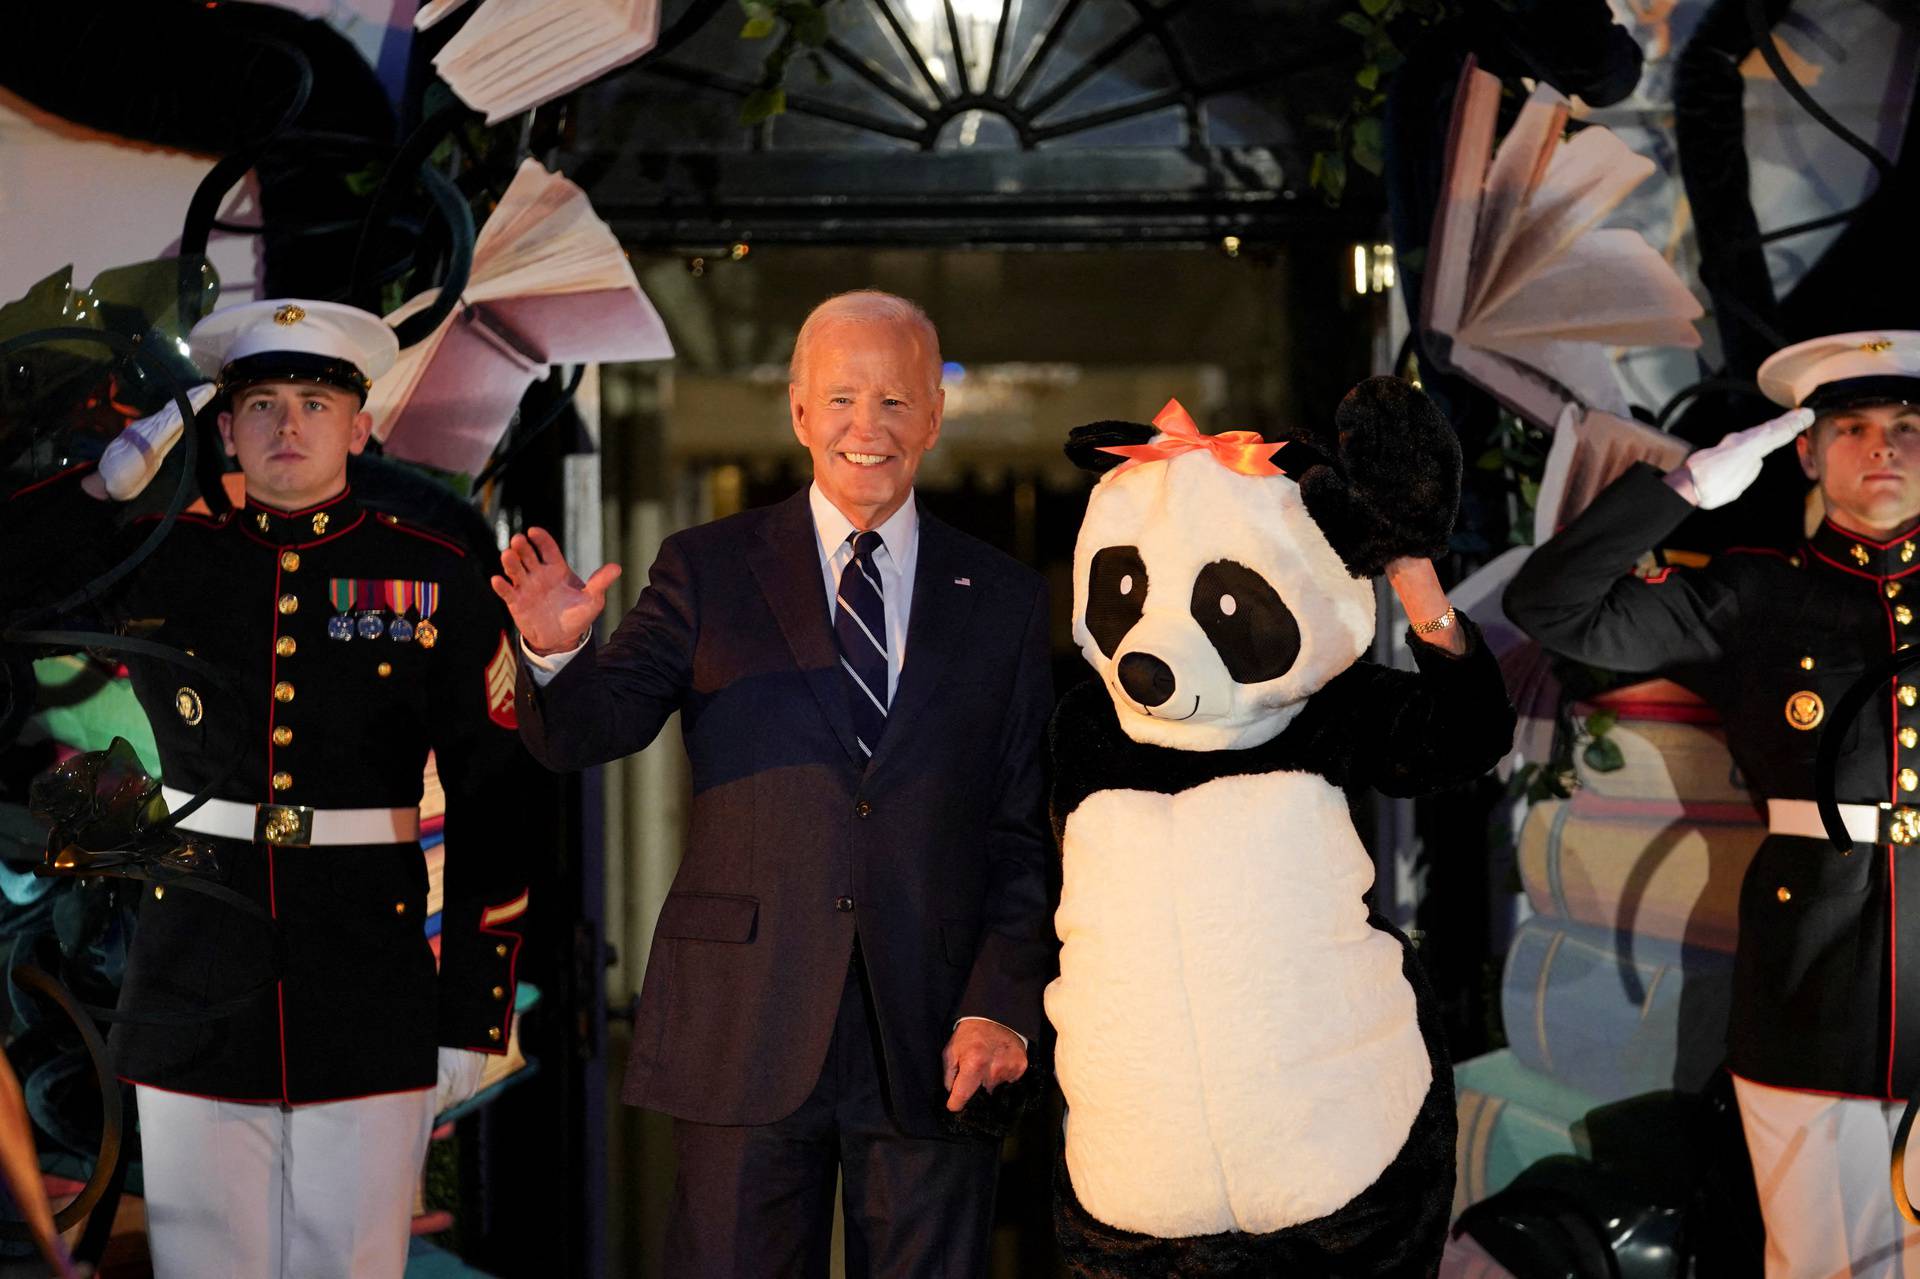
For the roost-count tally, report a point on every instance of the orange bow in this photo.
(1242, 452)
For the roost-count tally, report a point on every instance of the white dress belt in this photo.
(1802, 817)
(301, 826)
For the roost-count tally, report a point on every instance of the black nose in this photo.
(1147, 679)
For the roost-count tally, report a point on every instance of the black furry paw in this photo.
(992, 1115)
(1397, 484)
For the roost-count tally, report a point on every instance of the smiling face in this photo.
(1211, 604)
(866, 403)
(293, 439)
(1867, 462)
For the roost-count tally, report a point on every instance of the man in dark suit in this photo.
(860, 930)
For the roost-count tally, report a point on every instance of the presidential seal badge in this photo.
(187, 702)
(1805, 710)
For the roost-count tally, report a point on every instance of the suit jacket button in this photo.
(843, 904)
(863, 809)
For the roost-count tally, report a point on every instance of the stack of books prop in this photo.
(1618, 984)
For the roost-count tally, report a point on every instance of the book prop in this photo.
(1524, 291)
(550, 284)
(514, 55)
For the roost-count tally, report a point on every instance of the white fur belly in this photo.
(1237, 1046)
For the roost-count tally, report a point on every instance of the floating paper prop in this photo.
(550, 284)
(1524, 291)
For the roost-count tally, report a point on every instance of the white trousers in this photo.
(1820, 1164)
(246, 1191)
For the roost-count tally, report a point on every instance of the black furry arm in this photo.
(1409, 733)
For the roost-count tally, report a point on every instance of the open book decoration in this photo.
(1524, 293)
(549, 285)
(514, 55)
(1591, 449)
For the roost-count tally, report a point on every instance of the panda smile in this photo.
(1175, 719)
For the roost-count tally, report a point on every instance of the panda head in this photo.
(1211, 598)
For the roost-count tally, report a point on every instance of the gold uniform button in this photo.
(399, 908)
(283, 736)
(384, 669)
(499, 992)
(282, 781)
(1909, 779)
(1909, 694)
(493, 1033)
(289, 604)
(1902, 614)
(283, 692)
(1893, 590)
(501, 950)
(1910, 737)
(1806, 663)
(158, 892)
(290, 561)
(285, 647)
(1783, 895)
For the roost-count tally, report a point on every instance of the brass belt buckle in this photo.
(283, 825)
(1900, 825)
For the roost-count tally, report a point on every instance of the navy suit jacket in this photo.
(934, 854)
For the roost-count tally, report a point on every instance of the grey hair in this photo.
(863, 305)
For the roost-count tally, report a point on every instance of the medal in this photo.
(400, 596)
(370, 626)
(340, 592)
(1805, 710)
(427, 598)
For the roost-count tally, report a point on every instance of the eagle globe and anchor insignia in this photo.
(1805, 710)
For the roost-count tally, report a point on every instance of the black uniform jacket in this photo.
(1827, 976)
(934, 854)
(355, 1006)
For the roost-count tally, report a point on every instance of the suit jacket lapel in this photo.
(786, 564)
(941, 606)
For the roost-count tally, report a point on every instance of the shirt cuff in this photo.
(1010, 1030)
(543, 669)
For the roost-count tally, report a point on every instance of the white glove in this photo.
(1722, 472)
(460, 1071)
(131, 461)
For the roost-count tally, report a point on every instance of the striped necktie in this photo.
(860, 629)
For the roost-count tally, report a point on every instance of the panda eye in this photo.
(1248, 624)
(1116, 595)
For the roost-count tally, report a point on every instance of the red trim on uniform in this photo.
(1893, 962)
(273, 899)
(1654, 579)
(1817, 1092)
(199, 1096)
(335, 500)
(55, 478)
(1856, 572)
(185, 517)
(1864, 540)
(398, 527)
(513, 987)
(247, 528)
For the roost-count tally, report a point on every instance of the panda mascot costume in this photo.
(1254, 1072)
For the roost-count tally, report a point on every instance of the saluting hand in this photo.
(1715, 475)
(553, 608)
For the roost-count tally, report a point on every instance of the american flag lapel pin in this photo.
(963, 581)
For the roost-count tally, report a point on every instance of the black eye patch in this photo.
(1250, 627)
(1116, 594)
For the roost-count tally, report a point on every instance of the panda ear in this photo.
(1084, 443)
(1396, 486)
